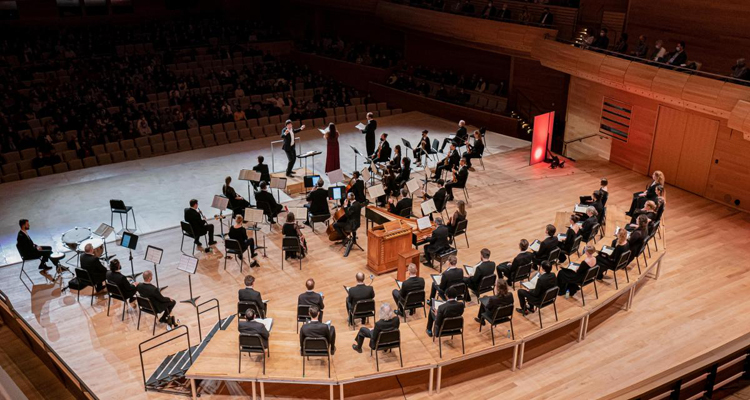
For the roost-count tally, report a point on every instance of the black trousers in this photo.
(43, 255)
(469, 156)
(342, 227)
(523, 296)
(370, 142)
(208, 228)
(291, 155)
(364, 332)
(168, 311)
(504, 270)
(450, 186)
(439, 170)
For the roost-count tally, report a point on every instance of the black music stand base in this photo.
(192, 299)
(133, 275)
(351, 241)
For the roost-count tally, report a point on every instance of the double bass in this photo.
(333, 234)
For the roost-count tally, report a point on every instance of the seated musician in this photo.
(423, 148)
(458, 216)
(649, 210)
(438, 241)
(450, 161)
(488, 304)
(291, 229)
(264, 196)
(451, 276)
(566, 246)
(547, 245)
(251, 327)
(162, 305)
(350, 222)
(317, 202)
(603, 191)
(250, 295)
(359, 292)
(404, 204)
(638, 237)
(484, 268)
(238, 232)
(460, 176)
(605, 262)
(569, 280)
(439, 197)
(451, 308)
(590, 220)
(403, 174)
(388, 322)
(91, 264)
(383, 152)
(395, 164)
(545, 282)
(507, 270)
(459, 139)
(317, 329)
(474, 150)
(115, 277)
(311, 298)
(413, 283)
(197, 221)
(261, 168)
(29, 250)
(640, 198)
(236, 202)
(357, 187)
(596, 202)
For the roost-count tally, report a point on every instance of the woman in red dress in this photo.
(332, 151)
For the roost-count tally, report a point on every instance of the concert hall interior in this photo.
(374, 199)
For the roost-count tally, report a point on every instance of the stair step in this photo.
(153, 378)
(167, 372)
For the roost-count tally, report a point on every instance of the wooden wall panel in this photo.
(636, 153)
(729, 179)
(670, 133)
(697, 152)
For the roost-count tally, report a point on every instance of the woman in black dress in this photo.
(290, 228)
(236, 202)
(458, 216)
(570, 236)
(488, 304)
(568, 280)
(239, 233)
(605, 262)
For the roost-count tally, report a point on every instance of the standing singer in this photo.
(369, 133)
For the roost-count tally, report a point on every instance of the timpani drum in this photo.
(96, 243)
(73, 238)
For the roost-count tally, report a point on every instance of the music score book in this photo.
(437, 303)
(530, 285)
(428, 207)
(608, 250)
(561, 236)
(424, 223)
(399, 283)
(535, 245)
(580, 209)
(249, 175)
(361, 126)
(573, 266)
(436, 278)
(278, 183)
(335, 176)
(471, 271)
(300, 214)
(412, 185)
(376, 191)
(253, 215)
(103, 231)
(326, 130)
(365, 173)
(153, 254)
(188, 264)
(267, 322)
(220, 202)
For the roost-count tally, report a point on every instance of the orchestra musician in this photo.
(239, 233)
(395, 164)
(30, 250)
(450, 161)
(287, 134)
(357, 187)
(291, 228)
(460, 176)
(412, 284)
(350, 221)
(197, 221)
(640, 198)
(317, 202)
(439, 197)
(438, 241)
(264, 196)
(474, 150)
(127, 289)
(383, 153)
(236, 202)
(461, 136)
(404, 204)
(369, 133)
(403, 174)
(262, 169)
(422, 148)
(458, 216)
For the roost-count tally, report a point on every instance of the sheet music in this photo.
(249, 175)
(324, 131)
(436, 278)
(365, 173)
(220, 202)
(437, 303)
(300, 213)
(535, 245)
(412, 185)
(361, 126)
(580, 208)
(335, 176)
(103, 231)
(472, 270)
(347, 288)
(399, 283)
(530, 285)
(573, 266)
(561, 236)
(376, 191)
(608, 250)
(428, 207)
(153, 254)
(188, 264)
(451, 137)
(267, 322)
(253, 215)
(423, 223)
(278, 183)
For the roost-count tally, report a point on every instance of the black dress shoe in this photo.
(429, 333)
(44, 267)
(397, 312)
(356, 348)
(522, 311)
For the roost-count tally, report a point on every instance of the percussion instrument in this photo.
(73, 238)
(96, 243)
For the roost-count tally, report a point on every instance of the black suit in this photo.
(401, 179)
(236, 205)
(255, 328)
(439, 199)
(488, 305)
(350, 221)
(544, 283)
(318, 199)
(403, 204)
(358, 293)
(310, 298)
(158, 301)
(424, 147)
(98, 273)
(476, 152)
(380, 326)
(508, 270)
(273, 209)
(485, 268)
(461, 135)
(453, 161)
(450, 277)
(676, 58)
(317, 329)
(264, 174)
(253, 296)
(587, 227)
(369, 132)
(451, 308)
(461, 177)
(359, 191)
(289, 148)
(545, 247)
(640, 201)
(412, 284)
(200, 227)
(28, 250)
(385, 152)
(438, 242)
(127, 289)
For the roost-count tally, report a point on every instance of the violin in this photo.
(349, 185)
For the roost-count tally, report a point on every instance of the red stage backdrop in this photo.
(543, 126)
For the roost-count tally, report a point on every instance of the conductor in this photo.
(289, 145)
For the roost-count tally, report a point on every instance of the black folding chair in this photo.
(291, 244)
(119, 207)
(554, 257)
(450, 327)
(187, 231)
(243, 306)
(550, 297)
(499, 316)
(622, 263)
(252, 344)
(461, 291)
(319, 218)
(413, 300)
(523, 272)
(23, 264)
(361, 309)
(588, 279)
(406, 213)
(303, 315)
(233, 247)
(113, 292)
(592, 235)
(84, 280)
(315, 347)
(487, 284)
(575, 247)
(145, 306)
(460, 230)
(387, 340)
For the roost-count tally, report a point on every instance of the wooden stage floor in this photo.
(695, 305)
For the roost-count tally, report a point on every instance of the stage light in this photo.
(543, 126)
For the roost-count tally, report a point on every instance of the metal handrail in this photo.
(198, 313)
(141, 351)
(70, 372)
(506, 20)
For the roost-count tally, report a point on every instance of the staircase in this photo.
(169, 377)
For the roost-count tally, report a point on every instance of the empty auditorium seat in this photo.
(102, 159)
(114, 146)
(143, 152)
(221, 138)
(157, 149)
(28, 154)
(228, 126)
(28, 174)
(184, 145)
(239, 125)
(130, 154)
(118, 156)
(60, 167)
(210, 140)
(12, 156)
(10, 168)
(45, 170)
(217, 128)
(98, 149)
(11, 178)
(234, 136)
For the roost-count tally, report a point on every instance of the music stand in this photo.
(279, 184)
(153, 255)
(356, 153)
(220, 203)
(103, 231)
(249, 175)
(253, 217)
(189, 264)
(307, 155)
(130, 242)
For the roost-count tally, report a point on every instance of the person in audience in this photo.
(238, 232)
(602, 41)
(458, 216)
(91, 264)
(451, 276)
(404, 204)
(475, 150)
(459, 138)
(739, 70)
(359, 292)
(162, 305)
(589, 221)
(547, 245)
(262, 169)
(507, 270)
(250, 295)
(525, 15)
(311, 298)
(115, 277)
(641, 49)
(290, 229)
(638, 237)
(271, 207)
(317, 329)
(485, 267)
(678, 57)
(622, 44)
(547, 18)
(527, 298)
(451, 308)
(236, 202)
(198, 223)
(658, 52)
(252, 327)
(569, 280)
(438, 241)
(29, 250)
(413, 283)
(488, 304)
(317, 201)
(566, 246)
(620, 245)
(451, 161)
(489, 10)
(467, 8)
(504, 12)
(460, 176)
(388, 322)
(640, 198)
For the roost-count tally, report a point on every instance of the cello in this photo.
(333, 234)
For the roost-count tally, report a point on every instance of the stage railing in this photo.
(141, 351)
(198, 313)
